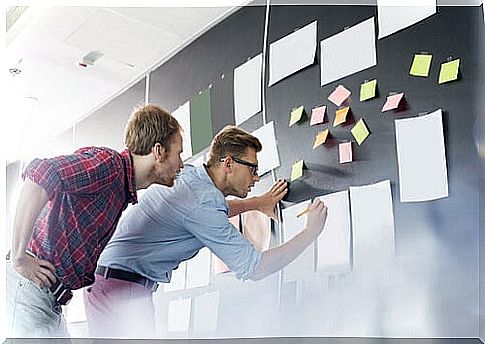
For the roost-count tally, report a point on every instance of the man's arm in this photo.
(32, 200)
(277, 258)
(265, 203)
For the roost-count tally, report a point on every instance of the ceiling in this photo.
(47, 44)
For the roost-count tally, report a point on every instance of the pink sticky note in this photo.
(345, 152)
(318, 114)
(339, 95)
(392, 102)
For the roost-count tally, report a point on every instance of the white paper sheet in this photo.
(206, 313)
(393, 15)
(179, 315)
(372, 225)
(177, 282)
(182, 115)
(334, 242)
(292, 53)
(268, 158)
(302, 266)
(199, 269)
(348, 52)
(421, 158)
(247, 89)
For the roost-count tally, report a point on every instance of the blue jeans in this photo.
(31, 310)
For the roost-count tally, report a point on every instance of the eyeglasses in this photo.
(253, 168)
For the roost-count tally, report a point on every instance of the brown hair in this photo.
(234, 141)
(148, 125)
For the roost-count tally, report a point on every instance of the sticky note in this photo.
(368, 90)
(320, 138)
(296, 170)
(360, 131)
(392, 102)
(341, 116)
(449, 71)
(339, 95)
(345, 152)
(318, 115)
(421, 64)
(296, 115)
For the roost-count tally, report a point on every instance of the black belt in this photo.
(123, 275)
(61, 293)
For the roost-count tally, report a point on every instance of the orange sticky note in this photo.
(392, 102)
(345, 152)
(341, 116)
(339, 95)
(320, 138)
(318, 115)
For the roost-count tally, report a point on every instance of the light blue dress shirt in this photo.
(170, 225)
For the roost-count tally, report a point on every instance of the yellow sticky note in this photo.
(296, 115)
(449, 71)
(320, 138)
(296, 170)
(360, 131)
(341, 116)
(368, 90)
(421, 64)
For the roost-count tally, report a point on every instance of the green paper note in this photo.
(296, 115)
(421, 64)
(296, 170)
(449, 71)
(200, 121)
(360, 131)
(368, 90)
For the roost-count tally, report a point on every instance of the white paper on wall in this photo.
(372, 224)
(292, 53)
(206, 312)
(247, 89)
(421, 158)
(182, 115)
(393, 15)
(348, 52)
(302, 266)
(199, 269)
(334, 243)
(179, 315)
(268, 158)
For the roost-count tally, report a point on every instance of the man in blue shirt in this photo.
(171, 225)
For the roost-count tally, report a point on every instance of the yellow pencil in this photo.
(303, 212)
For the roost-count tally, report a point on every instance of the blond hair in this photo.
(233, 141)
(148, 125)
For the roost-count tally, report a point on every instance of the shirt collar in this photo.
(130, 176)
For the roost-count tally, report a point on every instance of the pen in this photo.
(303, 212)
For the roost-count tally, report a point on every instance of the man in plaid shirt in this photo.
(68, 210)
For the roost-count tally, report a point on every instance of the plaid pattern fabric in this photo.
(87, 191)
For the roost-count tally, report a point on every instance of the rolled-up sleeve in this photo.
(209, 223)
(42, 172)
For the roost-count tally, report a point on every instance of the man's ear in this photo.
(159, 152)
(227, 164)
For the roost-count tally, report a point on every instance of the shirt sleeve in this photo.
(209, 223)
(85, 171)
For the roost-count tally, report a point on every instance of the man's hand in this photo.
(269, 200)
(317, 216)
(39, 271)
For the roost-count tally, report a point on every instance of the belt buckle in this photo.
(64, 297)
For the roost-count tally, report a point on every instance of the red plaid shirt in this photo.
(88, 191)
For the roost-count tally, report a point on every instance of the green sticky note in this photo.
(296, 115)
(296, 170)
(360, 131)
(200, 121)
(368, 90)
(449, 71)
(421, 64)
